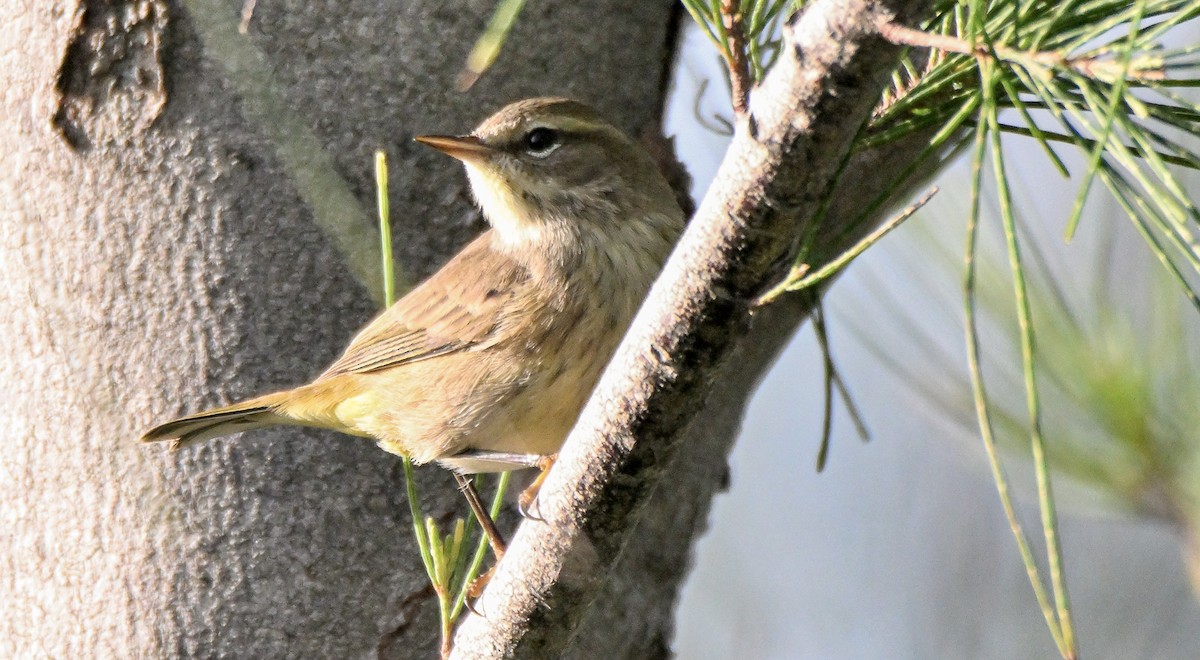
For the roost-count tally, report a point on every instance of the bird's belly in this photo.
(436, 409)
(537, 419)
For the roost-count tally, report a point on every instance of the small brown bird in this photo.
(486, 365)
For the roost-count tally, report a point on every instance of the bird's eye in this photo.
(541, 141)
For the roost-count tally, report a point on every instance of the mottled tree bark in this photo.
(186, 219)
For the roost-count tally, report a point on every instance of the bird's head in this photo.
(552, 162)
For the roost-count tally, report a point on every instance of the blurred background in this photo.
(900, 549)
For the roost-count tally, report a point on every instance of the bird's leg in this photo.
(481, 514)
(524, 502)
(529, 496)
(489, 527)
(479, 584)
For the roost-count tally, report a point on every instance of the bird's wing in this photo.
(458, 308)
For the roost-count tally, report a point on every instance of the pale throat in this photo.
(556, 247)
(521, 227)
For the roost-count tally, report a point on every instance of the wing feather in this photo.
(459, 308)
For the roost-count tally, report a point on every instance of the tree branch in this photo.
(735, 56)
(783, 161)
(1092, 67)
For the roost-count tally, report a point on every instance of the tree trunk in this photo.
(187, 220)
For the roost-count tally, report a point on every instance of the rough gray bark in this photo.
(161, 251)
(633, 482)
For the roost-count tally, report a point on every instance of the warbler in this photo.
(486, 365)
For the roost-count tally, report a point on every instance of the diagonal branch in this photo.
(783, 161)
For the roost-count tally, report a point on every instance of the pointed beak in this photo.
(463, 147)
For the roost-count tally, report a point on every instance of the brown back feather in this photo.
(456, 309)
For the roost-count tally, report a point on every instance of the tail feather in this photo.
(245, 416)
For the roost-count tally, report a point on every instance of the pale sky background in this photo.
(900, 549)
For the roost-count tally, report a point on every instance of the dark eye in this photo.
(541, 141)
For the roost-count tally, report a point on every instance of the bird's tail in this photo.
(235, 418)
